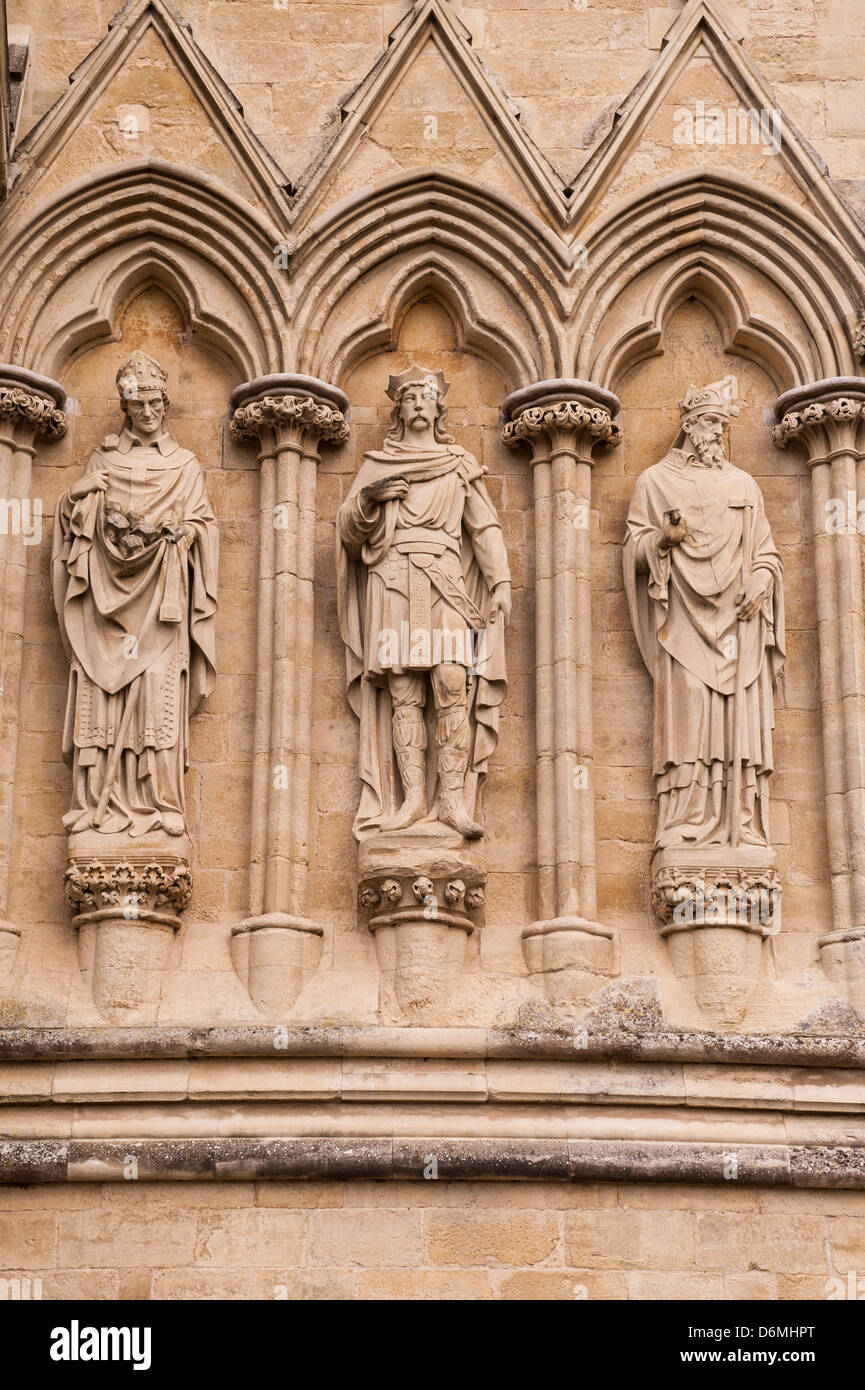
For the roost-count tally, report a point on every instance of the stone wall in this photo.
(444, 1240)
(287, 206)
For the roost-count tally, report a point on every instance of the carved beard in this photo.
(709, 446)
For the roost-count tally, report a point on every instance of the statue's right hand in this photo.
(673, 531)
(97, 481)
(386, 490)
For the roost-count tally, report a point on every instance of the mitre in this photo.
(719, 397)
(420, 376)
(140, 373)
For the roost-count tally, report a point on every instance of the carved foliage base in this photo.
(717, 905)
(572, 958)
(127, 905)
(842, 956)
(274, 956)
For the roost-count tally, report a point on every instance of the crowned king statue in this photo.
(424, 594)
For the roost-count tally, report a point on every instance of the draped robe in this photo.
(138, 632)
(438, 552)
(684, 612)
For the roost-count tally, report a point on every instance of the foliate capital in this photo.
(568, 416)
(561, 415)
(827, 416)
(41, 412)
(327, 424)
(299, 410)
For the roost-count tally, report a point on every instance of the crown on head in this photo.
(418, 376)
(140, 373)
(719, 397)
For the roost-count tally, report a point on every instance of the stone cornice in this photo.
(297, 1102)
(45, 1044)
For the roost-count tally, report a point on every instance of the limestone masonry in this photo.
(432, 649)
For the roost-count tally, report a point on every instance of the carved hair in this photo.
(397, 424)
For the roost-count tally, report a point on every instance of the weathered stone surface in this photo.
(287, 1094)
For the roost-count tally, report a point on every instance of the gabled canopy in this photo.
(255, 172)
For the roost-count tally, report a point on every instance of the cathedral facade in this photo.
(433, 649)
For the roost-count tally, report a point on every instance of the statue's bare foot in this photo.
(412, 809)
(453, 813)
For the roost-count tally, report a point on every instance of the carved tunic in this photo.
(425, 564)
(414, 553)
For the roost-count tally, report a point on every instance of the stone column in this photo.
(562, 422)
(828, 419)
(30, 409)
(291, 416)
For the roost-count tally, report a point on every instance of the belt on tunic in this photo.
(421, 537)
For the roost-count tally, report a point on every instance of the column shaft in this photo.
(29, 408)
(290, 427)
(562, 422)
(828, 417)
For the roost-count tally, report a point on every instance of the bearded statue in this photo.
(424, 595)
(703, 581)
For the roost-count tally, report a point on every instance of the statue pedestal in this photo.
(422, 894)
(128, 894)
(717, 904)
(572, 957)
(274, 956)
(842, 956)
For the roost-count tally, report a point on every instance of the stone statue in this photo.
(424, 594)
(703, 580)
(134, 571)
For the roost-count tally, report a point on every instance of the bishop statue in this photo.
(704, 585)
(134, 571)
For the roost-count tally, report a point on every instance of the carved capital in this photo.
(296, 409)
(747, 898)
(828, 417)
(449, 898)
(129, 889)
(34, 400)
(561, 416)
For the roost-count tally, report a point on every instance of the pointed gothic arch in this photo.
(784, 291)
(102, 239)
(503, 271)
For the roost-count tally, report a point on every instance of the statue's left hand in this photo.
(759, 588)
(502, 602)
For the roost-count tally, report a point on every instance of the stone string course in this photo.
(46, 1160)
(784, 1049)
